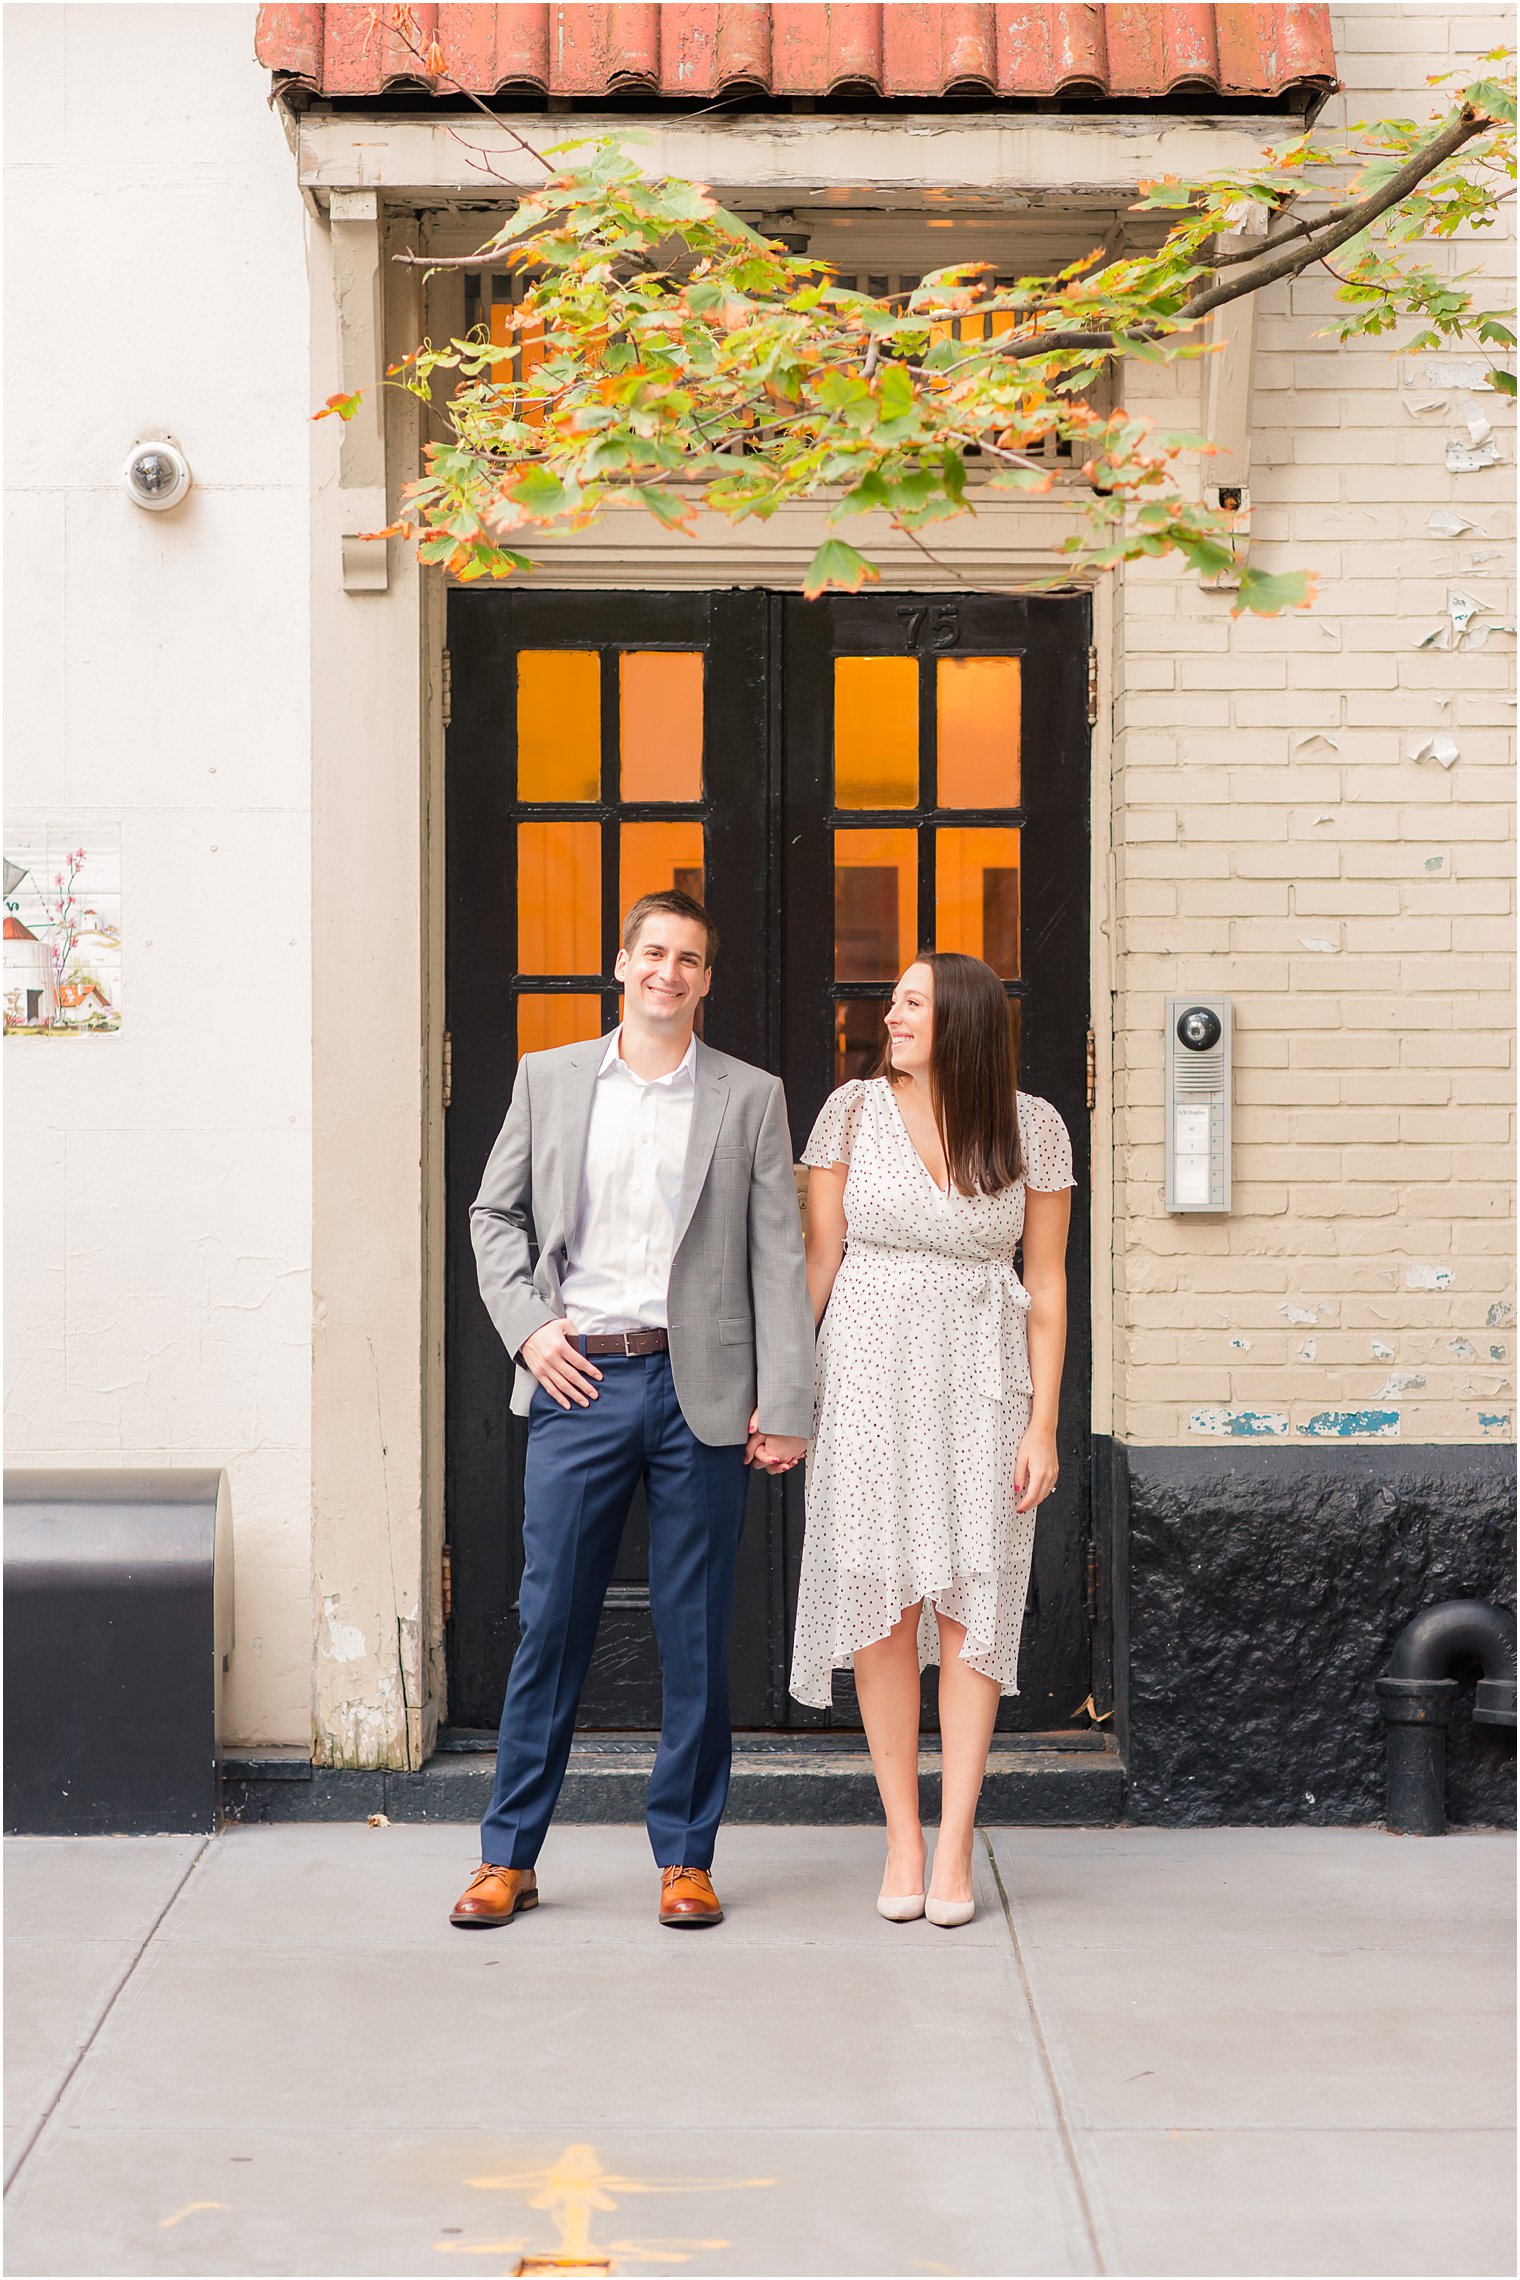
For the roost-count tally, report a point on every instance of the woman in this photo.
(938, 1378)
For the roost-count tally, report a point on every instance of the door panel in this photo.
(936, 795)
(601, 745)
(838, 780)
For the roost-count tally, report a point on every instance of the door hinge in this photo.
(446, 1581)
(1092, 1068)
(448, 1070)
(447, 690)
(1092, 687)
(1092, 1582)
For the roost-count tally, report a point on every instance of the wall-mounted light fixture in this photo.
(157, 474)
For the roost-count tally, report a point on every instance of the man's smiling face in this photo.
(665, 976)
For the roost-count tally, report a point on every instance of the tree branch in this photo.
(483, 260)
(1267, 266)
(1326, 236)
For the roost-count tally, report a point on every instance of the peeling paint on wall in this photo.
(1400, 1381)
(1428, 1278)
(1493, 1425)
(344, 1642)
(1500, 1314)
(1242, 1424)
(1353, 1425)
(1380, 1352)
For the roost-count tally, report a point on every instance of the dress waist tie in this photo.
(996, 1288)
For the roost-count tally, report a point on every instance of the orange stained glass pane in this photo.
(559, 898)
(875, 732)
(977, 897)
(528, 341)
(875, 904)
(559, 724)
(977, 700)
(543, 1021)
(504, 337)
(656, 856)
(858, 1025)
(660, 723)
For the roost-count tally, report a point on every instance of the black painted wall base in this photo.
(1261, 1589)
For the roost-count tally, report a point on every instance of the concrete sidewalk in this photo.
(1222, 2052)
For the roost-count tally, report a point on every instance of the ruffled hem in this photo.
(878, 1607)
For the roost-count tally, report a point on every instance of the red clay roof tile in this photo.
(930, 48)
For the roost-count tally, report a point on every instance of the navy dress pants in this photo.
(583, 1468)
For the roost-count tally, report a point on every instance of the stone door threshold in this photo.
(805, 1780)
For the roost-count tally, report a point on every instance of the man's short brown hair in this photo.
(677, 905)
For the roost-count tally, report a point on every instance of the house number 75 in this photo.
(935, 626)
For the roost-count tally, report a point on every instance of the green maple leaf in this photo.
(1264, 594)
(838, 565)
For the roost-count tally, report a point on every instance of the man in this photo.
(664, 1335)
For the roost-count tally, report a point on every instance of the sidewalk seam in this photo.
(83, 2052)
(1052, 2083)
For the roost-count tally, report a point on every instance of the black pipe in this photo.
(1417, 1696)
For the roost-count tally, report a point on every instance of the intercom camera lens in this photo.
(1199, 1027)
(153, 473)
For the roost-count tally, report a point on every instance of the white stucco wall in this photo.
(159, 1185)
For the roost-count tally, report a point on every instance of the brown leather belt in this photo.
(626, 1342)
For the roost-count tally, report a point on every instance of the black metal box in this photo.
(118, 1630)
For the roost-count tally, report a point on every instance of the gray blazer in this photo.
(741, 1327)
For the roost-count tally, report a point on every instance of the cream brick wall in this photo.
(1276, 840)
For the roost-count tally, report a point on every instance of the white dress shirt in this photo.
(617, 1275)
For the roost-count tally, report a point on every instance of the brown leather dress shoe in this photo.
(494, 1896)
(687, 1899)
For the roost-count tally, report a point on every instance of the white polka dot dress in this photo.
(922, 1395)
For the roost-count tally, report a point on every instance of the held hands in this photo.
(559, 1365)
(1035, 1470)
(772, 1452)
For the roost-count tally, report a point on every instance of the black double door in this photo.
(843, 782)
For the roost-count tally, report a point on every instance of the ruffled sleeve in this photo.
(833, 1136)
(1044, 1144)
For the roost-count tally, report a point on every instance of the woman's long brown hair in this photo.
(973, 1072)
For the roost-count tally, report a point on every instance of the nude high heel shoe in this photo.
(948, 1913)
(904, 1911)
